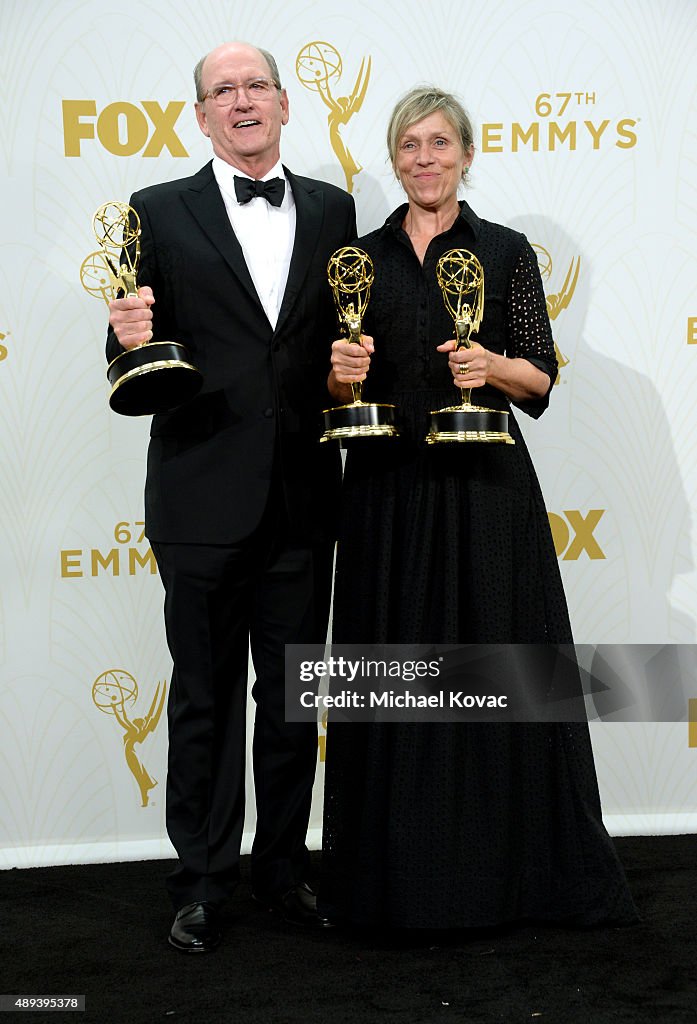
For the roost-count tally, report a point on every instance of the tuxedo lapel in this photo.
(206, 204)
(309, 215)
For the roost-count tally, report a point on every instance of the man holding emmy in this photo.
(239, 494)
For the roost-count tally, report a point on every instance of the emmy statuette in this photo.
(350, 274)
(460, 277)
(156, 376)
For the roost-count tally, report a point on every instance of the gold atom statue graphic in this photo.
(316, 65)
(111, 692)
(114, 689)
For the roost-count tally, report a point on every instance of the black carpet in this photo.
(100, 930)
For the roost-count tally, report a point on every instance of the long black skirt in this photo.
(462, 825)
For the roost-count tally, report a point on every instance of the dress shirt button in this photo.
(268, 413)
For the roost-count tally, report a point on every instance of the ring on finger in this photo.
(463, 368)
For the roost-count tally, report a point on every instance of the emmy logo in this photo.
(316, 65)
(460, 278)
(142, 381)
(112, 691)
(560, 300)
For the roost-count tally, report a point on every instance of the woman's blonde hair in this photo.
(421, 102)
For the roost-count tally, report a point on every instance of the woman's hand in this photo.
(476, 366)
(350, 364)
(470, 367)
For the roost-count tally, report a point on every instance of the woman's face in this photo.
(430, 161)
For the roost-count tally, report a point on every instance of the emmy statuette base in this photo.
(469, 423)
(359, 419)
(152, 378)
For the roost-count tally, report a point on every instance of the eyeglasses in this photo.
(225, 95)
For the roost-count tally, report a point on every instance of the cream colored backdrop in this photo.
(587, 141)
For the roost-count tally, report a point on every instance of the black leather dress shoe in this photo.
(297, 906)
(196, 929)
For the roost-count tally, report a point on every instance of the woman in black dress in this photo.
(454, 825)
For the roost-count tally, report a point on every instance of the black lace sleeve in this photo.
(529, 329)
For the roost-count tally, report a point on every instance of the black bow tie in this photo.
(272, 191)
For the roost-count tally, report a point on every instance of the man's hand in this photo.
(131, 318)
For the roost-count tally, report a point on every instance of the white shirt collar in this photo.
(266, 234)
(225, 175)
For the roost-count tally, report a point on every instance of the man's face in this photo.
(248, 132)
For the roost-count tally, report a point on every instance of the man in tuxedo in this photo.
(239, 497)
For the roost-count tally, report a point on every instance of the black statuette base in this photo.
(156, 377)
(359, 419)
(469, 423)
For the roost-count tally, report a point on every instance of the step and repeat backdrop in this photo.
(586, 138)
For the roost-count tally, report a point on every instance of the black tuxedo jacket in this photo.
(210, 462)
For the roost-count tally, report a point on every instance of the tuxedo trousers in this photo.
(221, 602)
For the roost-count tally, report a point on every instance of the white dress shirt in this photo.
(266, 234)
